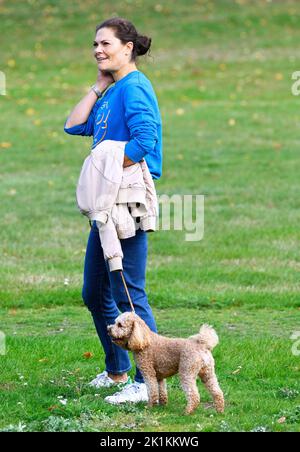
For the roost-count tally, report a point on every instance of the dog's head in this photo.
(130, 332)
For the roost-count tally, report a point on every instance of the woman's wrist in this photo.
(97, 91)
(101, 86)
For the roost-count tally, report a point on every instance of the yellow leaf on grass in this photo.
(5, 145)
(30, 111)
(11, 63)
(43, 360)
(237, 371)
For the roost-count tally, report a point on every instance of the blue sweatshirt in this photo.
(128, 111)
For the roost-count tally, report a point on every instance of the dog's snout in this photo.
(109, 327)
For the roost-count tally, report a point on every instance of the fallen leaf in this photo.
(11, 63)
(237, 371)
(278, 76)
(282, 420)
(158, 8)
(53, 407)
(88, 355)
(277, 145)
(5, 144)
(30, 111)
(43, 360)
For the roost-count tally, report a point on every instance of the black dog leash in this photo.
(126, 290)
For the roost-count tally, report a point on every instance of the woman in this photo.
(122, 105)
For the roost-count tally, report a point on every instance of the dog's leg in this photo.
(152, 385)
(189, 386)
(163, 393)
(188, 372)
(210, 381)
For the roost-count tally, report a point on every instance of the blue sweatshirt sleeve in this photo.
(141, 122)
(85, 129)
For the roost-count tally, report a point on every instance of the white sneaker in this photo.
(134, 393)
(104, 381)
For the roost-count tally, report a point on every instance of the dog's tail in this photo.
(206, 337)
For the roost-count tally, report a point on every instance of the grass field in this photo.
(222, 73)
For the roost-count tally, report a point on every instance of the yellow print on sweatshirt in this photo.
(101, 123)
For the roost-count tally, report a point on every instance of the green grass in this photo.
(45, 361)
(222, 73)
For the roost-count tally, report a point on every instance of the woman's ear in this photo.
(140, 337)
(129, 47)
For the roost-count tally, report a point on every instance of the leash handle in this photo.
(127, 293)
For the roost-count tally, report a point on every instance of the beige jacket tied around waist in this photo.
(121, 200)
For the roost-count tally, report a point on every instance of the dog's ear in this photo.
(140, 337)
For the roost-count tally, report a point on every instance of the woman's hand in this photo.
(127, 162)
(104, 79)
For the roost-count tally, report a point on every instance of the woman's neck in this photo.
(123, 72)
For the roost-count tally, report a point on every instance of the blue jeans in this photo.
(104, 294)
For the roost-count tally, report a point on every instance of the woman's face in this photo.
(111, 55)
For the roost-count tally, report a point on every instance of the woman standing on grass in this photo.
(126, 111)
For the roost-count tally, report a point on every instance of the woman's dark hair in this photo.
(126, 32)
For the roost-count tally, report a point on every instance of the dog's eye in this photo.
(119, 325)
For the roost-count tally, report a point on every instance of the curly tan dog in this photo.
(160, 357)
